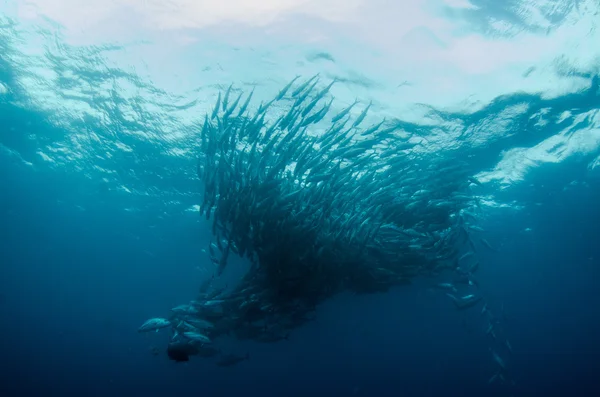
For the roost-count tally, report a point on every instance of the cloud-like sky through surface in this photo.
(455, 55)
(430, 43)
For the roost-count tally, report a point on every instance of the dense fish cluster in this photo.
(319, 203)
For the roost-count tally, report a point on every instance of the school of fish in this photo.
(319, 203)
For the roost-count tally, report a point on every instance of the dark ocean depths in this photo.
(84, 262)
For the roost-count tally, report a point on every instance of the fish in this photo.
(498, 360)
(226, 97)
(200, 323)
(216, 109)
(476, 228)
(484, 309)
(344, 112)
(184, 309)
(466, 255)
(362, 116)
(285, 89)
(447, 286)
(214, 302)
(487, 245)
(154, 324)
(466, 301)
(180, 351)
(304, 85)
(474, 267)
(245, 105)
(197, 337)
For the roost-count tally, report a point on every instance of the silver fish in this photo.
(154, 324)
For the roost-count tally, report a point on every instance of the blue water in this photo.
(97, 183)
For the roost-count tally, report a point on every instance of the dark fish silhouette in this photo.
(180, 351)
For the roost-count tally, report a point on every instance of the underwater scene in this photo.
(298, 198)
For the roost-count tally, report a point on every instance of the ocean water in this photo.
(100, 112)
